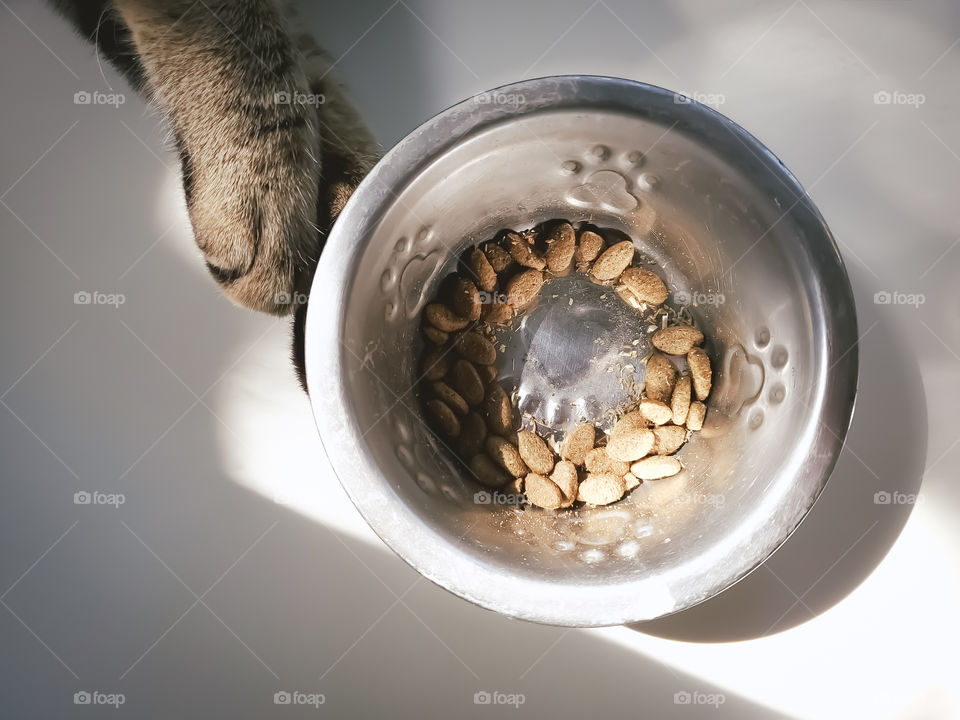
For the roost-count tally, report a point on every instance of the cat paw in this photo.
(252, 199)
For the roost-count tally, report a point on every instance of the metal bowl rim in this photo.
(431, 554)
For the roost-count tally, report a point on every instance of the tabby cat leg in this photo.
(230, 80)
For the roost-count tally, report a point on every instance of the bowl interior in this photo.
(727, 228)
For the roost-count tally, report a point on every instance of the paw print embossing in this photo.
(609, 181)
(411, 265)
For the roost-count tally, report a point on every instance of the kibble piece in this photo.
(466, 381)
(677, 340)
(506, 455)
(613, 261)
(535, 452)
(465, 298)
(578, 443)
(434, 364)
(700, 372)
(444, 418)
(601, 489)
(661, 376)
(698, 411)
(646, 286)
(680, 400)
(668, 439)
(590, 246)
(498, 410)
(630, 481)
(633, 420)
(656, 467)
(443, 318)
(655, 411)
(483, 272)
(487, 373)
(542, 492)
(629, 443)
(497, 312)
(477, 349)
(488, 472)
(450, 397)
(499, 258)
(437, 337)
(560, 247)
(564, 476)
(524, 287)
(473, 432)
(598, 461)
(521, 251)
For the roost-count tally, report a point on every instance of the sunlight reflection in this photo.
(910, 599)
(274, 448)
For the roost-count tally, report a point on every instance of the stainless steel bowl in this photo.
(726, 223)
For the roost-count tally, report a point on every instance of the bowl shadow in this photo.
(857, 518)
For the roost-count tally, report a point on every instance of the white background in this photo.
(236, 568)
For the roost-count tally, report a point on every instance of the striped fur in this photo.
(270, 148)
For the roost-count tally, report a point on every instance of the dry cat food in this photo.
(498, 281)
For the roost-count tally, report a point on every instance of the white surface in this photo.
(231, 491)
